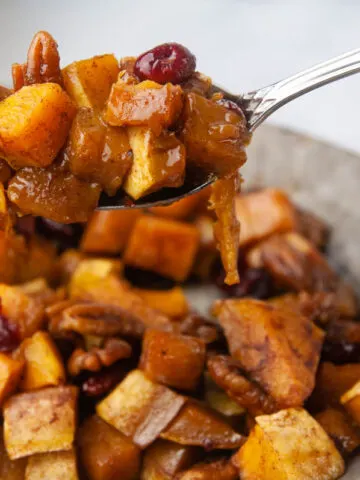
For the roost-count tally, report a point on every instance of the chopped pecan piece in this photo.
(198, 326)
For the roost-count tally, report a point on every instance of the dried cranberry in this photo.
(9, 335)
(65, 235)
(169, 62)
(102, 382)
(229, 104)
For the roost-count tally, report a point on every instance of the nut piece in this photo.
(40, 421)
(51, 466)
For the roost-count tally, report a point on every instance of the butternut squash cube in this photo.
(43, 363)
(10, 375)
(140, 408)
(10, 469)
(40, 422)
(146, 104)
(351, 401)
(108, 231)
(217, 470)
(34, 124)
(106, 453)
(167, 247)
(214, 136)
(282, 446)
(51, 466)
(88, 82)
(158, 162)
(172, 359)
(170, 302)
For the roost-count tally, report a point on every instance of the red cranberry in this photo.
(9, 335)
(229, 104)
(102, 382)
(169, 62)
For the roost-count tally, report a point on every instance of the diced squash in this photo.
(10, 375)
(178, 210)
(108, 231)
(53, 193)
(140, 408)
(264, 213)
(10, 469)
(288, 445)
(214, 136)
(88, 82)
(21, 309)
(52, 466)
(351, 401)
(167, 247)
(170, 302)
(98, 153)
(278, 349)
(34, 124)
(106, 453)
(146, 104)
(217, 470)
(43, 363)
(201, 426)
(172, 359)
(40, 422)
(158, 162)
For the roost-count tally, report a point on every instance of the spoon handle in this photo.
(259, 104)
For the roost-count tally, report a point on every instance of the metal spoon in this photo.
(257, 106)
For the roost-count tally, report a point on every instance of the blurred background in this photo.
(241, 44)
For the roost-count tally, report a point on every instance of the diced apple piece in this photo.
(351, 401)
(201, 426)
(178, 210)
(167, 247)
(106, 453)
(217, 470)
(108, 231)
(264, 213)
(287, 445)
(146, 104)
(40, 422)
(140, 408)
(10, 469)
(34, 124)
(90, 270)
(164, 460)
(43, 363)
(10, 374)
(158, 162)
(214, 136)
(172, 359)
(170, 302)
(280, 350)
(51, 466)
(88, 82)
(21, 309)
(98, 153)
(53, 193)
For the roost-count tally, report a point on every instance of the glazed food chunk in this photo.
(10, 375)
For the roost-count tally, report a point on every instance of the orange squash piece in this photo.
(172, 303)
(10, 375)
(167, 247)
(34, 124)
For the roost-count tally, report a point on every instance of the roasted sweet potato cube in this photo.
(40, 422)
(106, 453)
(164, 460)
(214, 136)
(340, 429)
(201, 426)
(158, 162)
(108, 231)
(172, 359)
(43, 363)
(34, 124)
(146, 104)
(10, 469)
(279, 350)
(21, 309)
(98, 153)
(51, 466)
(53, 193)
(140, 408)
(263, 213)
(217, 470)
(10, 374)
(167, 247)
(88, 82)
(170, 302)
(351, 401)
(282, 446)
(178, 210)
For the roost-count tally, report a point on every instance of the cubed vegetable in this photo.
(170, 302)
(34, 124)
(10, 469)
(10, 375)
(52, 466)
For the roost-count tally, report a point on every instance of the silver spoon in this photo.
(257, 106)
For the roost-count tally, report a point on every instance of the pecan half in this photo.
(196, 325)
(114, 349)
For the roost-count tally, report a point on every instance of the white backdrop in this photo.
(242, 44)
